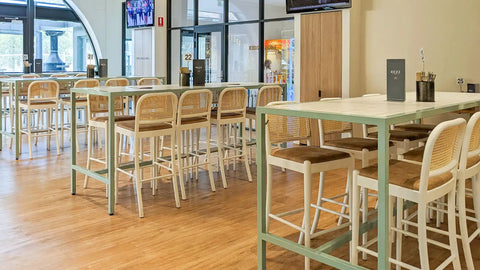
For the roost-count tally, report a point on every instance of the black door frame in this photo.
(205, 29)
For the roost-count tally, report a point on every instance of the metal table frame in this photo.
(446, 102)
(16, 83)
(111, 93)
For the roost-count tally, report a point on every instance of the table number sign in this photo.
(396, 79)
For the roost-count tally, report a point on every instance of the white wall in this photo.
(105, 19)
(449, 32)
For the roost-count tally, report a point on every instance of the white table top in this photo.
(167, 87)
(378, 107)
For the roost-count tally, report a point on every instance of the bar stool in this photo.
(42, 95)
(303, 159)
(421, 184)
(155, 117)
(149, 81)
(265, 95)
(231, 112)
(120, 82)
(81, 103)
(6, 109)
(194, 109)
(97, 107)
(404, 140)
(469, 169)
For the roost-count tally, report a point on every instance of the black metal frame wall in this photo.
(261, 24)
(29, 12)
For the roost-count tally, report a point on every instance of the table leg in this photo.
(1, 118)
(261, 196)
(383, 197)
(73, 138)
(111, 154)
(17, 123)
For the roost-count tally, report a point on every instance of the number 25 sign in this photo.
(188, 57)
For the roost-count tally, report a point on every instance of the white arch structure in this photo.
(88, 28)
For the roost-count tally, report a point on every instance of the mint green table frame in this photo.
(111, 93)
(17, 83)
(373, 110)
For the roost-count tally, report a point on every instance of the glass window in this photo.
(279, 54)
(210, 11)
(62, 45)
(182, 13)
(243, 10)
(243, 51)
(275, 9)
(11, 46)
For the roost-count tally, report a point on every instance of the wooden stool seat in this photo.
(130, 125)
(314, 154)
(352, 143)
(400, 135)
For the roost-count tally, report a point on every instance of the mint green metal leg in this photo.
(1, 120)
(73, 125)
(383, 196)
(261, 196)
(111, 154)
(17, 123)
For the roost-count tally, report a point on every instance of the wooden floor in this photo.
(42, 226)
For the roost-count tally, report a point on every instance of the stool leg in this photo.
(29, 134)
(138, 180)
(56, 134)
(452, 232)
(319, 201)
(422, 235)
(245, 157)
(476, 194)
(174, 172)
(180, 165)
(89, 152)
(209, 162)
(399, 235)
(220, 154)
(364, 218)
(462, 214)
(62, 123)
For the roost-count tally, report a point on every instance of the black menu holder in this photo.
(38, 65)
(198, 72)
(396, 79)
(103, 68)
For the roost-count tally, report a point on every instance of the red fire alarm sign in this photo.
(160, 21)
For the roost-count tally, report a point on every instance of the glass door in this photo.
(11, 45)
(210, 47)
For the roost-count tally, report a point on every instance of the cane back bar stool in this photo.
(265, 95)
(194, 110)
(120, 82)
(232, 104)
(155, 117)
(81, 103)
(421, 184)
(97, 107)
(42, 95)
(303, 159)
(149, 81)
(468, 170)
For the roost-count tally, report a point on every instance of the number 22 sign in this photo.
(188, 57)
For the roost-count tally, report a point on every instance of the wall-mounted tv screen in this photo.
(140, 13)
(297, 6)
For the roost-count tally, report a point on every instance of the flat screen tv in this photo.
(140, 13)
(297, 6)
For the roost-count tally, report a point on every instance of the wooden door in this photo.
(321, 59)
